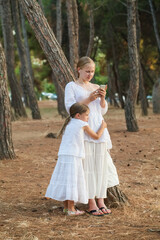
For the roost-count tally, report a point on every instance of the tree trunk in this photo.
(72, 17)
(130, 116)
(91, 32)
(41, 4)
(155, 24)
(59, 90)
(24, 66)
(115, 197)
(48, 42)
(142, 92)
(26, 45)
(116, 69)
(156, 97)
(16, 100)
(60, 97)
(6, 145)
(59, 22)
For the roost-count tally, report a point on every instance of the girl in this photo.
(68, 183)
(100, 172)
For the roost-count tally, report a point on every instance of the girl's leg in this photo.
(65, 204)
(71, 206)
(72, 211)
(102, 206)
(93, 209)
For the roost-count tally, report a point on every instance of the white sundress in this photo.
(99, 169)
(68, 181)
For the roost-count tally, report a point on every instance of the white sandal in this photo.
(75, 213)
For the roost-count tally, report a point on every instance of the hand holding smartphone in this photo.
(103, 86)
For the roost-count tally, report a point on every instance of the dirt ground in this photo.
(27, 215)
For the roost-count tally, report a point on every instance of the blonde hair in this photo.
(74, 109)
(83, 61)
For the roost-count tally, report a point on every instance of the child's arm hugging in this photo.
(98, 134)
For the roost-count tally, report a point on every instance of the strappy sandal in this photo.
(75, 213)
(100, 214)
(105, 211)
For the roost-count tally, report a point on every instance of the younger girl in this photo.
(67, 183)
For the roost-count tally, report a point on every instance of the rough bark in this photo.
(130, 116)
(48, 42)
(24, 66)
(142, 92)
(6, 144)
(72, 17)
(116, 69)
(26, 44)
(156, 97)
(155, 24)
(60, 97)
(115, 197)
(16, 100)
(58, 21)
(59, 90)
(91, 32)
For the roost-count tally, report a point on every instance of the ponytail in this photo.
(63, 127)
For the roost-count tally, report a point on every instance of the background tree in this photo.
(25, 74)
(6, 144)
(131, 121)
(73, 29)
(16, 100)
(48, 42)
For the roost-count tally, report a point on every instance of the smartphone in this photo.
(103, 86)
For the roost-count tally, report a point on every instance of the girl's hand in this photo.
(94, 95)
(102, 92)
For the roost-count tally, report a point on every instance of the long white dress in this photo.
(100, 171)
(68, 181)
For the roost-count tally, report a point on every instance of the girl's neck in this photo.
(82, 82)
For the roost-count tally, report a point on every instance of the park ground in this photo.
(26, 215)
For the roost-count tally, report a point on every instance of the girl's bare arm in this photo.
(98, 134)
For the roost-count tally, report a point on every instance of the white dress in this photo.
(68, 181)
(100, 172)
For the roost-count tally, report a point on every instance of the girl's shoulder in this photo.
(70, 84)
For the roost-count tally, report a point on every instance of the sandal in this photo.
(98, 213)
(105, 211)
(75, 213)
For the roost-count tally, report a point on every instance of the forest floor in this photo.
(26, 215)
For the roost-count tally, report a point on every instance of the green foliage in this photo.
(48, 87)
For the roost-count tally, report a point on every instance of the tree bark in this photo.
(155, 24)
(115, 197)
(26, 45)
(116, 69)
(142, 92)
(24, 66)
(130, 116)
(59, 90)
(91, 32)
(59, 22)
(48, 42)
(73, 26)
(6, 144)
(16, 100)
(60, 97)
(156, 97)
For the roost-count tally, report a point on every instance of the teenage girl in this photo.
(99, 169)
(67, 183)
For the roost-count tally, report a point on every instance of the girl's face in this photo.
(87, 72)
(83, 116)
